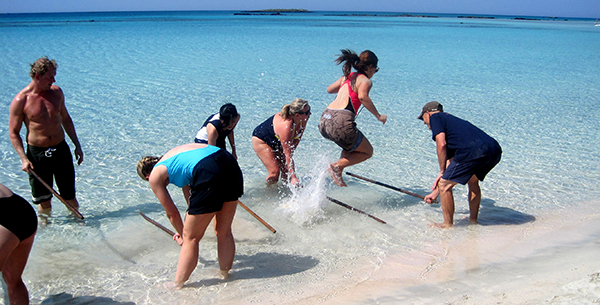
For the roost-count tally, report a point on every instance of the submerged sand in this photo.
(553, 260)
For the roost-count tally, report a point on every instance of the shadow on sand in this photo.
(68, 299)
(492, 215)
(262, 265)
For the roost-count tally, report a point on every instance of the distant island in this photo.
(273, 11)
(379, 15)
(284, 11)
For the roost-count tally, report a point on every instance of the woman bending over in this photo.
(275, 140)
(214, 181)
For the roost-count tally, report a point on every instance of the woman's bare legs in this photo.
(363, 152)
(13, 258)
(269, 159)
(225, 241)
(193, 230)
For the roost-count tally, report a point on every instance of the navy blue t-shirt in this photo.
(464, 140)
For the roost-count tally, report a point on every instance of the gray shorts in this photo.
(338, 125)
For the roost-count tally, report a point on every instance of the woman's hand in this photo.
(382, 118)
(294, 181)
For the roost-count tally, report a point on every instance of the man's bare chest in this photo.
(41, 109)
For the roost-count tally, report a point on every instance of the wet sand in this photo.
(553, 260)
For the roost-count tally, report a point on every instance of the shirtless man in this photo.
(41, 107)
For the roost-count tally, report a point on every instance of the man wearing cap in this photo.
(465, 155)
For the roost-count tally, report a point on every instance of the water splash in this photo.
(303, 206)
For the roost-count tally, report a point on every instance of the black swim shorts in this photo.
(18, 216)
(48, 163)
(216, 179)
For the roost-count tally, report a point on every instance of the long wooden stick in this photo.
(353, 209)
(69, 206)
(389, 186)
(171, 233)
(256, 216)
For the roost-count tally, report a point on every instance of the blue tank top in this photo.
(180, 167)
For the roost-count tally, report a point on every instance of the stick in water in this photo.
(158, 225)
(354, 209)
(256, 216)
(69, 206)
(389, 186)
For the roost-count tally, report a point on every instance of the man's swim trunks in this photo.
(18, 216)
(338, 125)
(461, 172)
(49, 162)
(266, 132)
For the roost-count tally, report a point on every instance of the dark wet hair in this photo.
(359, 63)
(227, 113)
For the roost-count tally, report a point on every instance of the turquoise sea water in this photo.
(142, 83)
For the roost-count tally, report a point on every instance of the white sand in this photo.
(553, 260)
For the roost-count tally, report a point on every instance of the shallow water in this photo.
(141, 83)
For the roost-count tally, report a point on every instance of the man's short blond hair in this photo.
(41, 66)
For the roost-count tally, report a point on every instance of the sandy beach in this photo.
(553, 260)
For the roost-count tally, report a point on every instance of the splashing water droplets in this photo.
(303, 206)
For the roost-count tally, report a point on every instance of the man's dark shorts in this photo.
(48, 163)
(462, 172)
(216, 179)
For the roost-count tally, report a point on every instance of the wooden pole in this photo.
(389, 186)
(68, 205)
(256, 216)
(171, 233)
(354, 209)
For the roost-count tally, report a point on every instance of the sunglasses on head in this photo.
(307, 112)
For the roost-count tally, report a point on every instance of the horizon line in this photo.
(302, 11)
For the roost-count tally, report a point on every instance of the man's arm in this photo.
(442, 153)
(69, 128)
(15, 122)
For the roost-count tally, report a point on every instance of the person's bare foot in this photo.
(336, 174)
(224, 274)
(173, 286)
(441, 225)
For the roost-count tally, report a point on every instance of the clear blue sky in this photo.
(547, 8)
